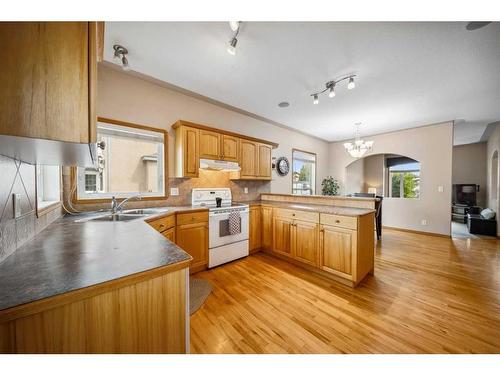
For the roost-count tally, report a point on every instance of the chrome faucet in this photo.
(117, 207)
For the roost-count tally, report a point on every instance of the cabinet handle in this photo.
(293, 214)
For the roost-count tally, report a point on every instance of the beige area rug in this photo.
(199, 290)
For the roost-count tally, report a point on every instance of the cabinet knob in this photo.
(337, 221)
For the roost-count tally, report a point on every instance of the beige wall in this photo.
(469, 167)
(374, 173)
(128, 98)
(355, 177)
(493, 146)
(432, 147)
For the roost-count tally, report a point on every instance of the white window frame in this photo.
(48, 186)
(401, 184)
(82, 195)
(313, 170)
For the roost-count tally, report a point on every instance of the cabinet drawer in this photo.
(299, 215)
(348, 222)
(164, 223)
(192, 217)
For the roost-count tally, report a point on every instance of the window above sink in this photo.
(132, 160)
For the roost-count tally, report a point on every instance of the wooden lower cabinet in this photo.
(344, 250)
(193, 238)
(137, 314)
(282, 235)
(267, 227)
(337, 248)
(255, 234)
(305, 237)
(170, 234)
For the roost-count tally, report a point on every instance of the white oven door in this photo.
(219, 229)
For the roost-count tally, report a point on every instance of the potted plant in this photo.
(330, 186)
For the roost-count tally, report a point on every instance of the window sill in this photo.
(46, 207)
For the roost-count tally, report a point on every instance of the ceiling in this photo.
(409, 74)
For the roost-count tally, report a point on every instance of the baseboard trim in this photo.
(417, 232)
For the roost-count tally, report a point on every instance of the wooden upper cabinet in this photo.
(186, 152)
(337, 248)
(264, 161)
(248, 159)
(194, 142)
(48, 80)
(209, 145)
(230, 148)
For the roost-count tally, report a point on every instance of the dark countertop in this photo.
(70, 255)
(321, 208)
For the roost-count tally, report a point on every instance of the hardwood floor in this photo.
(428, 295)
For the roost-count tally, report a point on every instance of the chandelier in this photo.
(359, 147)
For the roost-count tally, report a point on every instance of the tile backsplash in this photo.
(185, 185)
(19, 177)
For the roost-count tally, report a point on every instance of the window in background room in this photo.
(131, 163)
(48, 186)
(403, 177)
(303, 172)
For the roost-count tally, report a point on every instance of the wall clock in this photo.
(282, 166)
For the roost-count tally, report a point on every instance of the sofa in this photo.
(483, 223)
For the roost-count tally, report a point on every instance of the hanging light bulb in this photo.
(331, 94)
(231, 48)
(351, 83)
(315, 99)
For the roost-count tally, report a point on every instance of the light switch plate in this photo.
(440, 189)
(174, 191)
(245, 190)
(16, 203)
(424, 222)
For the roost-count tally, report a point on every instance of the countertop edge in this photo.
(19, 311)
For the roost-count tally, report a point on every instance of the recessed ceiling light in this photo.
(283, 104)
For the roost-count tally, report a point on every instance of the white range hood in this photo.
(219, 165)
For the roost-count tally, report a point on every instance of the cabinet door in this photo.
(209, 145)
(193, 238)
(305, 237)
(255, 228)
(46, 80)
(282, 236)
(190, 152)
(264, 161)
(337, 245)
(248, 159)
(170, 234)
(230, 148)
(267, 227)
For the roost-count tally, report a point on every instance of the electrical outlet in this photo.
(440, 189)
(174, 191)
(424, 222)
(16, 204)
(245, 190)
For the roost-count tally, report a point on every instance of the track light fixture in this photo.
(330, 86)
(231, 47)
(120, 56)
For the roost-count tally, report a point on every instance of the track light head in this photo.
(125, 65)
(351, 83)
(119, 56)
(234, 25)
(331, 94)
(315, 99)
(231, 48)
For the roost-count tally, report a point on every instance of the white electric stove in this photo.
(223, 246)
